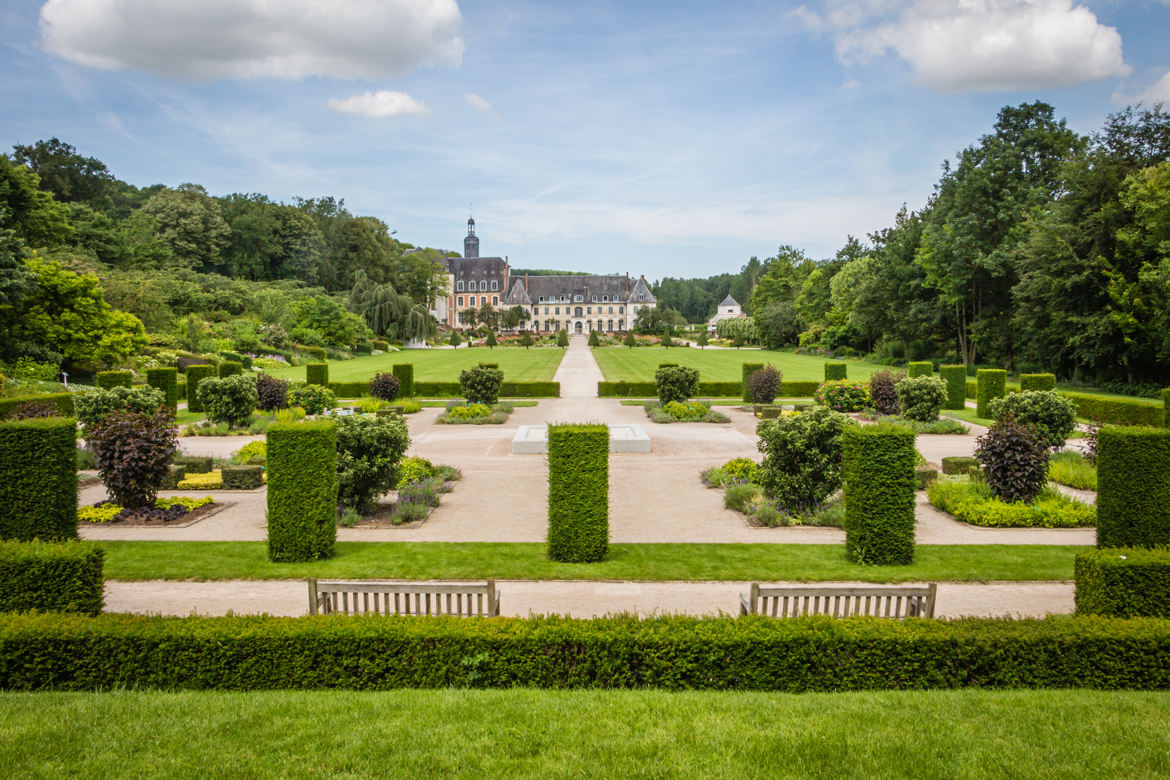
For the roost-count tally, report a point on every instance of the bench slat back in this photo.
(466, 599)
(840, 602)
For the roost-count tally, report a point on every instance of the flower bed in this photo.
(741, 493)
(971, 501)
(211, 480)
(475, 414)
(420, 490)
(678, 411)
(166, 511)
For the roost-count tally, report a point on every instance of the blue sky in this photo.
(669, 139)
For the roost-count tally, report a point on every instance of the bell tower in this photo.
(471, 242)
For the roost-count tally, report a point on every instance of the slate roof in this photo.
(611, 288)
(729, 301)
(468, 269)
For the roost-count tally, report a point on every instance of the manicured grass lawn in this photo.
(529, 561)
(715, 365)
(442, 365)
(967, 415)
(547, 734)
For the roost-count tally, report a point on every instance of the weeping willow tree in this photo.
(387, 313)
(418, 324)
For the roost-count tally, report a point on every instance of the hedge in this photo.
(650, 389)
(956, 379)
(719, 389)
(243, 360)
(1119, 411)
(960, 464)
(919, 368)
(578, 493)
(350, 389)
(51, 577)
(991, 384)
(38, 479)
(879, 477)
(107, 379)
(109, 652)
(317, 374)
(302, 490)
(230, 368)
(1123, 582)
(404, 373)
(195, 464)
(363, 349)
(1166, 408)
(167, 380)
(175, 475)
(1133, 487)
(195, 375)
(923, 476)
(748, 370)
(835, 370)
(64, 402)
(798, 389)
(1037, 382)
(316, 352)
(242, 477)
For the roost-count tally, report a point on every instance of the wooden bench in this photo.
(886, 601)
(464, 599)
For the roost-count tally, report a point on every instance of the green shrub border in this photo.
(317, 374)
(404, 373)
(167, 380)
(196, 374)
(64, 402)
(991, 384)
(1123, 582)
(706, 389)
(247, 477)
(302, 490)
(1133, 486)
(956, 378)
(1119, 411)
(880, 483)
(107, 379)
(1037, 382)
(919, 368)
(960, 464)
(51, 577)
(38, 479)
(578, 493)
(230, 368)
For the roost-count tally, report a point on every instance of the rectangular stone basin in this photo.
(623, 437)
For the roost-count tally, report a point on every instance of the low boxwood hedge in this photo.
(73, 652)
(230, 368)
(578, 493)
(960, 464)
(1120, 411)
(919, 368)
(798, 389)
(51, 577)
(1123, 582)
(64, 402)
(195, 464)
(1133, 487)
(38, 479)
(242, 477)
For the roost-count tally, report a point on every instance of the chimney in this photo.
(627, 282)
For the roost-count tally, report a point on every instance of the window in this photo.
(471, 301)
(458, 286)
(460, 300)
(641, 296)
(483, 286)
(605, 299)
(541, 299)
(621, 310)
(611, 310)
(495, 285)
(577, 312)
(495, 300)
(595, 299)
(609, 324)
(589, 310)
(578, 298)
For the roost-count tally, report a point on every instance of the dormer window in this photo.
(495, 285)
(458, 286)
(483, 286)
(595, 299)
(578, 298)
(641, 297)
(605, 299)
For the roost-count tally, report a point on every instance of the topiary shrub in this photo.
(369, 457)
(195, 375)
(992, 384)
(879, 463)
(882, 394)
(675, 383)
(1014, 461)
(242, 477)
(563, 339)
(835, 370)
(921, 397)
(481, 384)
(747, 370)
(229, 400)
(1037, 382)
(956, 379)
(629, 340)
(764, 384)
(314, 399)
(1123, 582)
(960, 464)
(1133, 487)
(526, 339)
(271, 393)
(107, 379)
(385, 386)
(230, 368)
(454, 339)
(843, 395)
(802, 458)
(578, 493)
(317, 374)
(51, 577)
(1050, 416)
(404, 372)
(594, 341)
(93, 405)
(302, 490)
(166, 380)
(919, 368)
(133, 452)
(38, 479)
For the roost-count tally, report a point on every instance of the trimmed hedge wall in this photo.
(720, 389)
(167, 380)
(243, 360)
(879, 462)
(748, 369)
(1037, 382)
(51, 577)
(230, 368)
(578, 493)
(1123, 582)
(107, 379)
(650, 389)
(195, 464)
(302, 490)
(991, 384)
(73, 652)
(350, 389)
(317, 374)
(404, 373)
(242, 477)
(1118, 411)
(1133, 487)
(919, 368)
(38, 479)
(835, 370)
(195, 375)
(507, 390)
(960, 464)
(64, 403)
(956, 379)
(798, 389)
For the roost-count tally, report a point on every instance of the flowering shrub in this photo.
(843, 395)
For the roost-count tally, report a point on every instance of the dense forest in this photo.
(1039, 248)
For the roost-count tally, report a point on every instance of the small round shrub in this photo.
(271, 393)
(921, 398)
(1014, 461)
(314, 399)
(255, 452)
(676, 383)
(416, 469)
(764, 384)
(385, 386)
(843, 395)
(369, 451)
(741, 469)
(469, 411)
(1050, 415)
(594, 341)
(481, 384)
(881, 391)
(229, 400)
(133, 453)
(687, 411)
(802, 458)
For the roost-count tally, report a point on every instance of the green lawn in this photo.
(620, 734)
(442, 365)
(529, 561)
(715, 365)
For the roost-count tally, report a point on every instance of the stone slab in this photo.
(623, 437)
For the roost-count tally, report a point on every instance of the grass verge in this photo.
(441, 365)
(715, 365)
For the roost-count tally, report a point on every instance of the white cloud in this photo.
(982, 45)
(290, 39)
(379, 105)
(1159, 91)
(476, 102)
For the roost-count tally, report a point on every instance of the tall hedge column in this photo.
(404, 373)
(578, 493)
(835, 370)
(879, 494)
(991, 384)
(956, 379)
(195, 375)
(1133, 487)
(165, 379)
(302, 490)
(748, 370)
(38, 479)
(317, 374)
(919, 368)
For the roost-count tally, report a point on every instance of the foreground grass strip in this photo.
(529, 561)
(550, 734)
